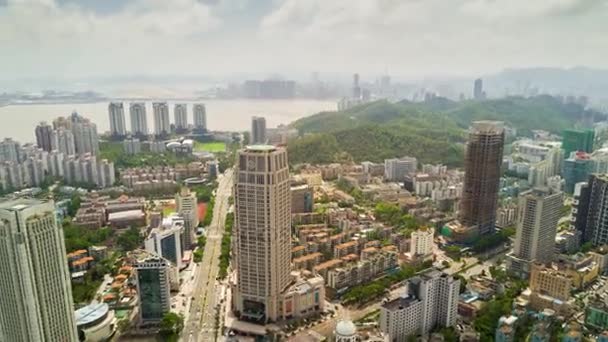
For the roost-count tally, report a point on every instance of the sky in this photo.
(415, 38)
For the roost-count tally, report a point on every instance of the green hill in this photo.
(432, 131)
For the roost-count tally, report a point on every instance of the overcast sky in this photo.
(78, 38)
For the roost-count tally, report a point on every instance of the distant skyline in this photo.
(71, 39)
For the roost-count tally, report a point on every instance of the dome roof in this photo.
(346, 328)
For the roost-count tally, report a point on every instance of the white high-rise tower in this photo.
(162, 125)
(36, 302)
(139, 122)
(118, 126)
(180, 111)
(200, 117)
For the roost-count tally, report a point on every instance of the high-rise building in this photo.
(396, 169)
(575, 141)
(483, 159)
(421, 241)
(576, 169)
(180, 111)
(356, 87)
(187, 207)
(302, 198)
(131, 145)
(262, 231)
(85, 135)
(258, 130)
(118, 126)
(9, 150)
(36, 302)
(590, 210)
(431, 301)
(139, 121)
(478, 93)
(43, 136)
(539, 213)
(62, 140)
(106, 175)
(162, 125)
(166, 243)
(200, 117)
(153, 286)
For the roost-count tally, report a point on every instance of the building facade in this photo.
(36, 304)
(431, 301)
(258, 130)
(180, 112)
(116, 113)
(139, 120)
(262, 234)
(200, 117)
(590, 210)
(162, 125)
(153, 286)
(187, 207)
(539, 213)
(396, 169)
(43, 136)
(483, 159)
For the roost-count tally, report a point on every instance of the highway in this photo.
(200, 320)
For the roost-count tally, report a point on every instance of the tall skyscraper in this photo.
(258, 130)
(356, 87)
(118, 126)
(36, 302)
(43, 136)
(200, 117)
(187, 207)
(86, 139)
(591, 216)
(9, 150)
(153, 286)
(62, 140)
(431, 301)
(139, 121)
(576, 140)
(478, 93)
(162, 125)
(539, 212)
(262, 231)
(166, 242)
(483, 159)
(180, 111)
(576, 168)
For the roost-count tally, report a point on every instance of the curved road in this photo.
(200, 321)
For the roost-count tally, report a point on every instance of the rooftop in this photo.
(91, 313)
(260, 148)
(399, 303)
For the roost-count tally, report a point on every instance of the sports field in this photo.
(214, 146)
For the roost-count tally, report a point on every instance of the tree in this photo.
(124, 325)
(129, 240)
(172, 324)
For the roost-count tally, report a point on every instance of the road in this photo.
(200, 321)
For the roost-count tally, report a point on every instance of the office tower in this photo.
(36, 302)
(396, 169)
(62, 140)
(258, 130)
(539, 213)
(118, 126)
(576, 169)
(162, 125)
(187, 207)
(302, 198)
(430, 301)
(483, 159)
(180, 111)
(9, 150)
(139, 121)
(577, 140)
(200, 117)
(262, 231)
(153, 286)
(166, 243)
(590, 210)
(356, 87)
(43, 136)
(85, 137)
(421, 241)
(478, 93)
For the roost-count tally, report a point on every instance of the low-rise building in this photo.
(596, 315)
(95, 322)
(308, 261)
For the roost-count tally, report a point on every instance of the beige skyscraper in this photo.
(36, 302)
(187, 207)
(162, 125)
(262, 241)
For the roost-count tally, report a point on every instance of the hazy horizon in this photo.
(79, 39)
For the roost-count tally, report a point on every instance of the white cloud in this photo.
(409, 37)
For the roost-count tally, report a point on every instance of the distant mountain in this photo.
(432, 131)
